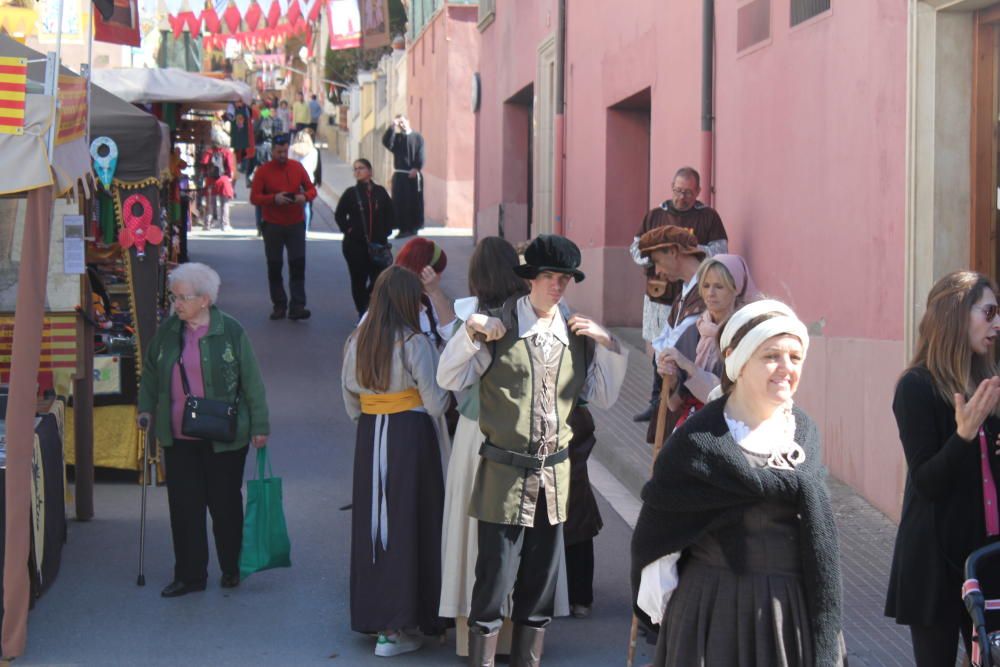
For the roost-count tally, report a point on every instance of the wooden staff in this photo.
(661, 428)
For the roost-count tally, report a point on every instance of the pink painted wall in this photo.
(810, 178)
(507, 64)
(442, 60)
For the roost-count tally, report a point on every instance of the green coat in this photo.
(227, 361)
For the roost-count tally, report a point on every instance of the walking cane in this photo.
(144, 435)
(661, 428)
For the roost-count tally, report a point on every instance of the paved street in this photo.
(96, 615)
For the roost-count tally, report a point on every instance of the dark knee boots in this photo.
(482, 647)
(526, 646)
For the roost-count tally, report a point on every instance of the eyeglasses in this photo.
(683, 193)
(990, 311)
(174, 298)
(361, 169)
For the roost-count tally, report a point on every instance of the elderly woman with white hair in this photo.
(735, 552)
(201, 352)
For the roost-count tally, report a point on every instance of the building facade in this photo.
(443, 54)
(852, 156)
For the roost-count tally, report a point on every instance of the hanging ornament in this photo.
(176, 24)
(138, 229)
(232, 19)
(253, 16)
(310, 9)
(273, 14)
(294, 13)
(105, 165)
(210, 20)
(193, 22)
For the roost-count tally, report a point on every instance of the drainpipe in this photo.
(559, 177)
(707, 84)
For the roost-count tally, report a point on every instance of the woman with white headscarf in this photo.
(735, 552)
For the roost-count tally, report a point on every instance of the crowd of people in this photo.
(472, 506)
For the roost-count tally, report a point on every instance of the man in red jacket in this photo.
(281, 188)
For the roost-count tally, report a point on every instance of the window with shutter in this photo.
(803, 10)
(753, 23)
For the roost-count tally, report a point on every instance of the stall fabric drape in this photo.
(28, 151)
(32, 277)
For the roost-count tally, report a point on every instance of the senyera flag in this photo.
(72, 108)
(122, 27)
(13, 85)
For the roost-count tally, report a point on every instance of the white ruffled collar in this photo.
(774, 439)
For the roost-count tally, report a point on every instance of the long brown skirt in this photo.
(396, 577)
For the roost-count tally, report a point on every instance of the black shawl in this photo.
(702, 484)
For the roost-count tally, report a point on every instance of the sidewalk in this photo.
(622, 459)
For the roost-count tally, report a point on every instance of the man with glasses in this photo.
(683, 209)
(281, 189)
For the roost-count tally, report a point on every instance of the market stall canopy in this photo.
(28, 151)
(139, 135)
(146, 86)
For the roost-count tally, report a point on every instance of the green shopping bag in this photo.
(265, 536)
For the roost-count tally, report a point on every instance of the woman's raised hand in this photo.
(488, 328)
(970, 415)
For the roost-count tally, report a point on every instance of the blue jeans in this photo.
(309, 214)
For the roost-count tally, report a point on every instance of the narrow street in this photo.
(96, 615)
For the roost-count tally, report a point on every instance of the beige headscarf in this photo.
(708, 354)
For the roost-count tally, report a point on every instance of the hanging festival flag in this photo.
(176, 25)
(273, 13)
(294, 13)
(210, 21)
(312, 13)
(232, 17)
(345, 24)
(72, 108)
(13, 84)
(106, 164)
(253, 16)
(374, 23)
(193, 22)
(122, 27)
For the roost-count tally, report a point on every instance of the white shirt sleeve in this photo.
(462, 362)
(656, 585)
(636, 255)
(605, 375)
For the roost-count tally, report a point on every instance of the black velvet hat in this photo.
(549, 252)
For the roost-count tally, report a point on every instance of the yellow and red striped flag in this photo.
(13, 84)
(72, 108)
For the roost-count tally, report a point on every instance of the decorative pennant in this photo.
(345, 24)
(309, 8)
(193, 22)
(253, 16)
(106, 164)
(138, 229)
(210, 21)
(232, 18)
(13, 86)
(243, 6)
(294, 13)
(273, 14)
(176, 25)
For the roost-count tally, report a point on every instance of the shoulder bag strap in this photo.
(180, 364)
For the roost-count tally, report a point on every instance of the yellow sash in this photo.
(390, 404)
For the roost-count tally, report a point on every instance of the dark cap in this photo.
(549, 252)
(669, 236)
(280, 140)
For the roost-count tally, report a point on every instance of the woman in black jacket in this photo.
(364, 214)
(947, 438)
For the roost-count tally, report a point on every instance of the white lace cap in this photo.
(786, 323)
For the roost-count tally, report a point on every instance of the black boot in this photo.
(526, 646)
(482, 647)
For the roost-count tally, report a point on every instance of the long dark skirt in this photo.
(397, 585)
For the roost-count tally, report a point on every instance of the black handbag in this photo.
(206, 418)
(380, 254)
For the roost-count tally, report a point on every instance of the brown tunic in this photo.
(703, 220)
